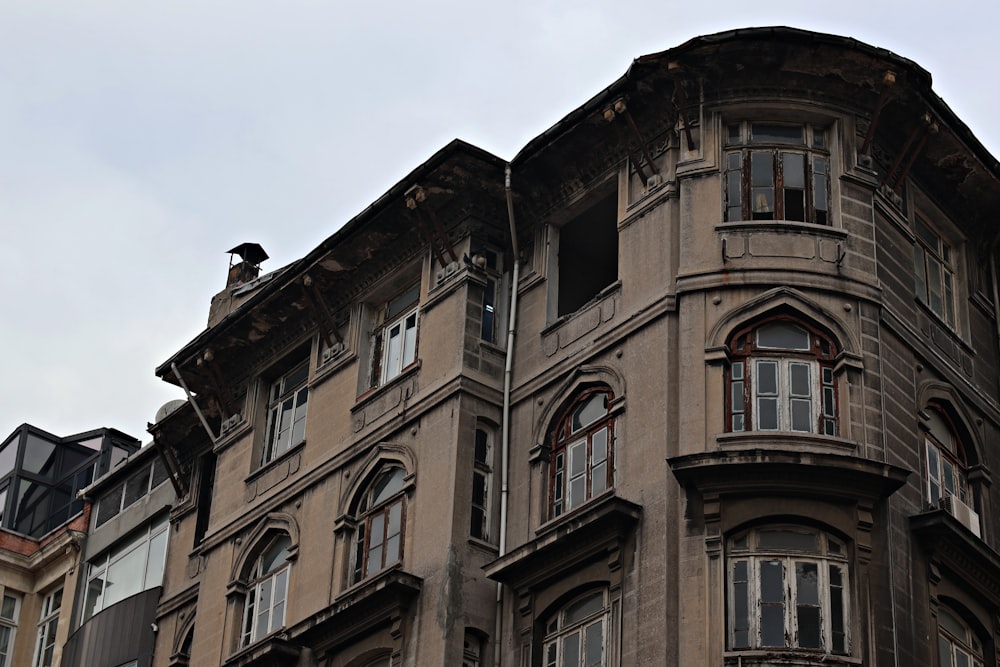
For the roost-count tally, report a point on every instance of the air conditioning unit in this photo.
(965, 514)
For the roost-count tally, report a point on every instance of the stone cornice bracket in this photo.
(327, 324)
(888, 81)
(430, 226)
(918, 136)
(676, 70)
(171, 462)
(619, 108)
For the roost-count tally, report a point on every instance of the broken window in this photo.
(588, 254)
(788, 589)
(781, 378)
(777, 171)
(582, 460)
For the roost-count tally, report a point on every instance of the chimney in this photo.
(248, 268)
(241, 271)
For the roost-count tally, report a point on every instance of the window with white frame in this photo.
(47, 627)
(788, 588)
(934, 270)
(582, 458)
(286, 411)
(394, 337)
(482, 479)
(577, 634)
(10, 607)
(378, 542)
(267, 592)
(947, 465)
(777, 171)
(958, 644)
(781, 378)
(131, 566)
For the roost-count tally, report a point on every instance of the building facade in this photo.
(42, 531)
(706, 375)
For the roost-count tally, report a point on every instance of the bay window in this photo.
(781, 378)
(777, 171)
(788, 588)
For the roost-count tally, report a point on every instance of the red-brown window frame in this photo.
(563, 434)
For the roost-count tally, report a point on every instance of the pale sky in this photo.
(141, 140)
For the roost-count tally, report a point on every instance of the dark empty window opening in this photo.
(588, 254)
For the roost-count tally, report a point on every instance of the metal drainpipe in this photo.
(505, 428)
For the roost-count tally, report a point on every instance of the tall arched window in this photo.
(958, 645)
(378, 541)
(781, 378)
(267, 591)
(947, 465)
(582, 459)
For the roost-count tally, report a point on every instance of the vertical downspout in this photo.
(505, 427)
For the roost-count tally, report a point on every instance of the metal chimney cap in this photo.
(250, 252)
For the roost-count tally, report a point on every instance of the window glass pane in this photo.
(571, 650)
(275, 555)
(482, 445)
(388, 485)
(776, 133)
(39, 457)
(772, 625)
(590, 411)
(767, 378)
(944, 653)
(801, 415)
(799, 377)
(599, 446)
(593, 645)
(771, 581)
(393, 350)
(137, 485)
(410, 341)
(788, 540)
(577, 458)
(762, 185)
(741, 608)
(782, 336)
(8, 608)
(157, 554)
(767, 414)
(125, 576)
(599, 479)
(583, 608)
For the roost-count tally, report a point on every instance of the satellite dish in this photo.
(167, 408)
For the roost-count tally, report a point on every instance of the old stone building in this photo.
(706, 375)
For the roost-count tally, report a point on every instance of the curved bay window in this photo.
(378, 542)
(958, 645)
(582, 459)
(267, 592)
(781, 378)
(788, 589)
(576, 636)
(779, 171)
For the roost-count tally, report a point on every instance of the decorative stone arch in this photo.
(932, 392)
(259, 538)
(784, 299)
(381, 455)
(581, 378)
(179, 656)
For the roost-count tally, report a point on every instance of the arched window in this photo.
(576, 635)
(788, 589)
(958, 645)
(947, 465)
(781, 378)
(583, 442)
(379, 539)
(267, 591)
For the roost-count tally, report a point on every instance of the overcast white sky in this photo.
(140, 140)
